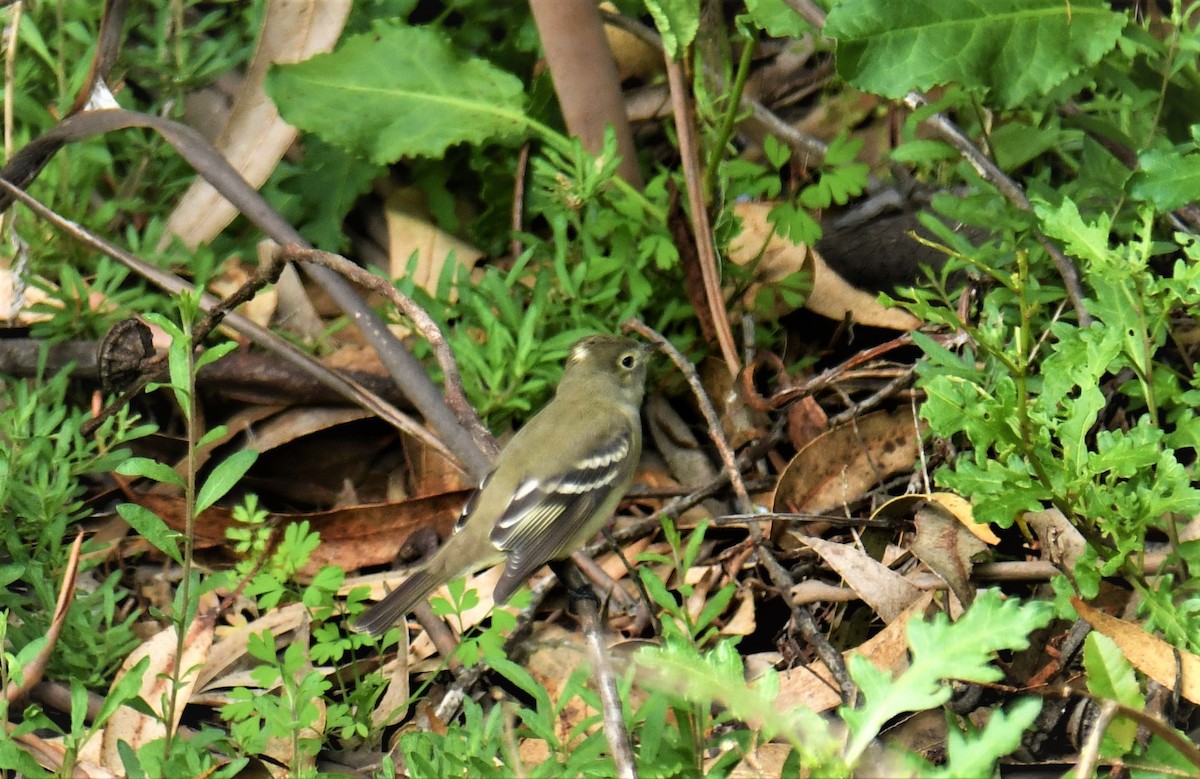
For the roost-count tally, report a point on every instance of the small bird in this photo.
(554, 485)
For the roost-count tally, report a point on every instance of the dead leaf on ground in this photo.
(840, 466)
(831, 296)
(137, 729)
(255, 137)
(1149, 654)
(782, 271)
(885, 591)
(944, 544)
(813, 687)
(412, 233)
(351, 538)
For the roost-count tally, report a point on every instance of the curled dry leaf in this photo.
(255, 137)
(885, 591)
(841, 465)
(137, 729)
(945, 545)
(956, 505)
(831, 295)
(1147, 653)
(740, 422)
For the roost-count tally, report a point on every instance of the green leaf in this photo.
(223, 478)
(1013, 48)
(151, 527)
(777, 18)
(214, 353)
(941, 650)
(146, 468)
(1110, 675)
(978, 754)
(677, 22)
(1167, 179)
(400, 91)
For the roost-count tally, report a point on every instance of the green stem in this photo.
(730, 119)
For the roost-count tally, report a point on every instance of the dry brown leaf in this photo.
(260, 308)
(411, 232)
(956, 505)
(831, 295)
(1149, 654)
(740, 422)
(813, 686)
(635, 57)
(232, 640)
(393, 706)
(777, 264)
(944, 544)
(255, 137)
(137, 729)
(841, 465)
(885, 591)
(763, 760)
(351, 538)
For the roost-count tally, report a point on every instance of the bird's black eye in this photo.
(628, 360)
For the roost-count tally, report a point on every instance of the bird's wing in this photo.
(545, 516)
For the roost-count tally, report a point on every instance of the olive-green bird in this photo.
(554, 485)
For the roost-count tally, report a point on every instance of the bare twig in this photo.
(246, 327)
(610, 701)
(689, 154)
(456, 398)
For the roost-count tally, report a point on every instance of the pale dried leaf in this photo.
(1147, 653)
(944, 544)
(885, 591)
(255, 137)
(137, 729)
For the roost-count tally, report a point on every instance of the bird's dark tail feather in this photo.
(396, 603)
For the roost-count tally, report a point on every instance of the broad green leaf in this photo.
(223, 478)
(777, 18)
(1110, 675)
(151, 527)
(677, 22)
(150, 469)
(1014, 49)
(1167, 179)
(400, 91)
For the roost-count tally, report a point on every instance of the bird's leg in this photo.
(578, 587)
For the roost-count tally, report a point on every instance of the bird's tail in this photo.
(396, 603)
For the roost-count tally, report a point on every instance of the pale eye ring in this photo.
(628, 360)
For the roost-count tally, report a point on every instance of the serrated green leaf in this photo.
(400, 91)
(150, 526)
(677, 22)
(1012, 48)
(223, 478)
(1167, 179)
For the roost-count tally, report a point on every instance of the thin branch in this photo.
(689, 154)
(240, 324)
